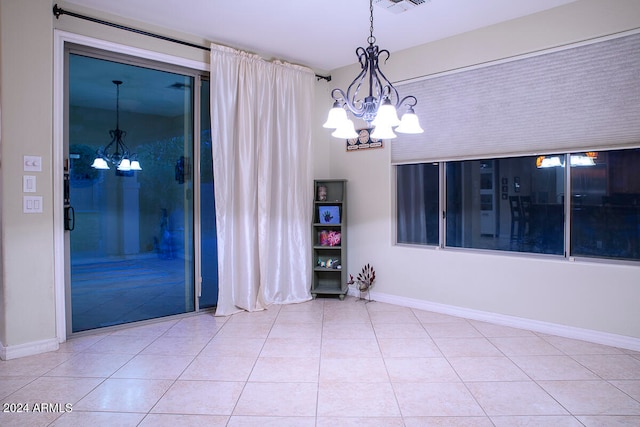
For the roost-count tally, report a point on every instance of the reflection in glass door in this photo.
(208, 235)
(131, 250)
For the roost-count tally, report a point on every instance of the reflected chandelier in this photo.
(120, 157)
(380, 107)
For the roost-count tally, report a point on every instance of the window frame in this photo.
(566, 255)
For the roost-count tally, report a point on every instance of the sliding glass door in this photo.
(130, 232)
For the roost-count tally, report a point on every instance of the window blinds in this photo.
(583, 97)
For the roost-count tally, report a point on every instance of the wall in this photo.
(27, 314)
(600, 297)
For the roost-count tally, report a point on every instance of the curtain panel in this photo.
(261, 133)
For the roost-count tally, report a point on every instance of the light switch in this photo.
(32, 164)
(32, 204)
(29, 184)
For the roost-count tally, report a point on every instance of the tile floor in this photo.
(324, 363)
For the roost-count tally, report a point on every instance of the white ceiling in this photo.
(321, 34)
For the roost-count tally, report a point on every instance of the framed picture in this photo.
(329, 238)
(329, 214)
(363, 141)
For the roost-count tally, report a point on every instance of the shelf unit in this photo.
(329, 238)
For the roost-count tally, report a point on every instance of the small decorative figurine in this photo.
(322, 193)
(364, 281)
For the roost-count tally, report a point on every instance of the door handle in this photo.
(69, 212)
(66, 189)
(69, 218)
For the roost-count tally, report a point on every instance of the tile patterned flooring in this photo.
(324, 363)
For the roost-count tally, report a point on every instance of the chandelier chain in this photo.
(117, 83)
(371, 39)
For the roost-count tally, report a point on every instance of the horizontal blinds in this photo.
(567, 100)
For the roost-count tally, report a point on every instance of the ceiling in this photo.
(321, 34)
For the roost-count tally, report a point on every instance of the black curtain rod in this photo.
(57, 11)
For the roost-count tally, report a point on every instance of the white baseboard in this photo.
(604, 338)
(28, 349)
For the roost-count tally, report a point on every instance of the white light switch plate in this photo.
(32, 204)
(29, 184)
(32, 164)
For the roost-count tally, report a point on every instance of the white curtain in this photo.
(261, 133)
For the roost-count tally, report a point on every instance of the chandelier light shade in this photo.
(337, 116)
(380, 107)
(345, 130)
(120, 157)
(409, 123)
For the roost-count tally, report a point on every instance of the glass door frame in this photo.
(197, 69)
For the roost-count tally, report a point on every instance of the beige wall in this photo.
(588, 295)
(596, 296)
(26, 59)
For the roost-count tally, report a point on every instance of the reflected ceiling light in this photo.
(120, 158)
(380, 107)
(587, 159)
(582, 160)
(548, 162)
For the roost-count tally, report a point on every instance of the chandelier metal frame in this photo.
(382, 95)
(121, 157)
(380, 87)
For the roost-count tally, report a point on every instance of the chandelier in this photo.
(121, 158)
(380, 107)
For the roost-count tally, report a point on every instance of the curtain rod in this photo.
(57, 11)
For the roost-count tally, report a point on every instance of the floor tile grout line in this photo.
(246, 382)
(386, 367)
(319, 363)
(125, 363)
(484, 411)
(508, 357)
(175, 381)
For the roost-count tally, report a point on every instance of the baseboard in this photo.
(28, 349)
(604, 338)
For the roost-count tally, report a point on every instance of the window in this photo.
(505, 204)
(518, 204)
(605, 204)
(417, 192)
